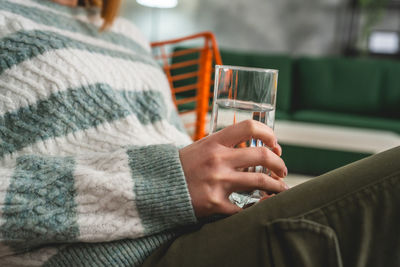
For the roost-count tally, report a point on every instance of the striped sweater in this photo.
(89, 166)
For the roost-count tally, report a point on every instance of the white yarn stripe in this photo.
(9, 26)
(105, 198)
(120, 25)
(33, 258)
(102, 139)
(37, 78)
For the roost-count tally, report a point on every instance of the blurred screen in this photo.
(384, 42)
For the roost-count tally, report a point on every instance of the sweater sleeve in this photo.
(129, 193)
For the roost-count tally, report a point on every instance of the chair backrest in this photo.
(189, 65)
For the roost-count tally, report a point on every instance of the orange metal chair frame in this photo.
(208, 54)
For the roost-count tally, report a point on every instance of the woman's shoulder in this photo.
(124, 26)
(65, 23)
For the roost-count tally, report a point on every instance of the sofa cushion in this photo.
(187, 81)
(338, 84)
(282, 115)
(390, 94)
(316, 161)
(335, 118)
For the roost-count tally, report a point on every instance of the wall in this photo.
(298, 27)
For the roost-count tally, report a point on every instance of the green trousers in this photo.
(347, 217)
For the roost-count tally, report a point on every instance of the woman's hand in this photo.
(212, 167)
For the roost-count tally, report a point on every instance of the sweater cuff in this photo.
(162, 195)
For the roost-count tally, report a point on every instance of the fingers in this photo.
(275, 176)
(245, 130)
(255, 156)
(211, 167)
(277, 150)
(266, 197)
(249, 181)
(228, 207)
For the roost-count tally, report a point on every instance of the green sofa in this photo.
(351, 97)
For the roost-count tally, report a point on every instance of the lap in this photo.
(339, 216)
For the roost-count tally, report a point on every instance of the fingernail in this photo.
(286, 186)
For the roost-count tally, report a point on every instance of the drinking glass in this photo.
(242, 93)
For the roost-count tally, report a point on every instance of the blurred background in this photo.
(298, 27)
(338, 60)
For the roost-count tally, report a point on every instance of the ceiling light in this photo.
(158, 3)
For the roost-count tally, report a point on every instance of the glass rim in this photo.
(242, 68)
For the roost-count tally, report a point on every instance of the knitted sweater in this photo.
(89, 166)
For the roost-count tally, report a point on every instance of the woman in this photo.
(96, 169)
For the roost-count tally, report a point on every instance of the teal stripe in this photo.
(76, 109)
(24, 45)
(161, 193)
(49, 18)
(39, 204)
(120, 253)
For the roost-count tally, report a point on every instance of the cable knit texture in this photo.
(89, 166)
